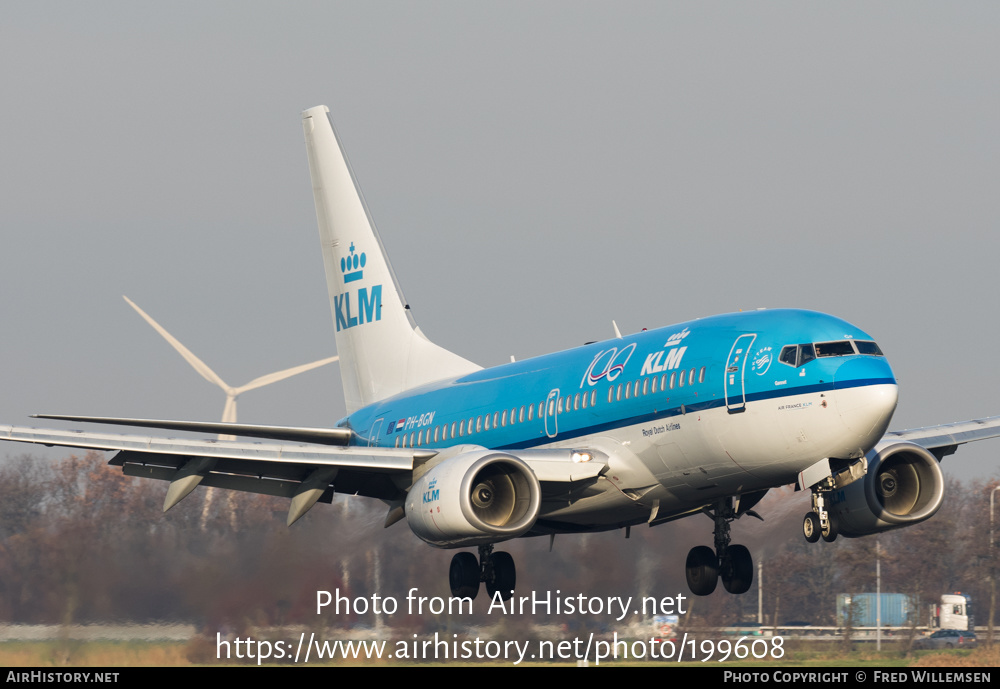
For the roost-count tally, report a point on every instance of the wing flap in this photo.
(277, 478)
(248, 484)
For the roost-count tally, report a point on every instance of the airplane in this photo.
(702, 417)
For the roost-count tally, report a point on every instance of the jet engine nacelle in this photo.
(476, 497)
(903, 486)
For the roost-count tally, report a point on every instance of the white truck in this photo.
(953, 612)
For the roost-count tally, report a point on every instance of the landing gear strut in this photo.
(732, 563)
(495, 569)
(820, 521)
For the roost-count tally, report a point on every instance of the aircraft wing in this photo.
(279, 469)
(303, 472)
(943, 440)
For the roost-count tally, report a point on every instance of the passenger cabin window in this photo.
(701, 375)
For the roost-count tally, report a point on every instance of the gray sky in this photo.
(535, 170)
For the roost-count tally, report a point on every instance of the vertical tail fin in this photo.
(381, 350)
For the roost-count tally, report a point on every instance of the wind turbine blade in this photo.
(229, 411)
(281, 375)
(229, 414)
(198, 365)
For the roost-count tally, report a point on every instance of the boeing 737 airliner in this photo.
(698, 417)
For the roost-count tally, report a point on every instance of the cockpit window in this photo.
(797, 355)
(842, 348)
(789, 355)
(806, 353)
(869, 348)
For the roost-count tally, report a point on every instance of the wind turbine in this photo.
(229, 411)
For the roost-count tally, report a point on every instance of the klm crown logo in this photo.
(354, 264)
(366, 304)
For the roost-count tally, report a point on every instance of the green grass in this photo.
(202, 651)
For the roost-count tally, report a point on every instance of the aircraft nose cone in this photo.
(866, 396)
(863, 370)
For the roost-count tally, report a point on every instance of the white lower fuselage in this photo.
(680, 464)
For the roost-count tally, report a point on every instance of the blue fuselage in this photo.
(691, 412)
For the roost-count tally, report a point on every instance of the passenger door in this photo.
(736, 365)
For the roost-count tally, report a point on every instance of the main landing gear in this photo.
(820, 522)
(496, 569)
(732, 563)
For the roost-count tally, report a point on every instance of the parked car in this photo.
(947, 638)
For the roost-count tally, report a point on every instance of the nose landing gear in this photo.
(822, 478)
(495, 569)
(820, 522)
